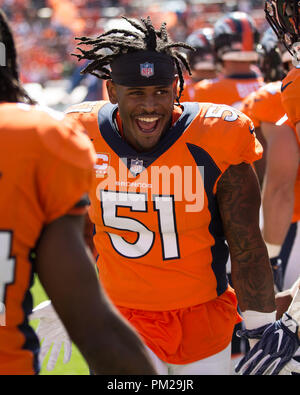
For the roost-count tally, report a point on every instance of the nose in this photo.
(149, 103)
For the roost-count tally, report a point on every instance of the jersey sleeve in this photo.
(232, 136)
(246, 146)
(65, 169)
(290, 94)
(258, 104)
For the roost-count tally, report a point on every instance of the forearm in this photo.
(118, 350)
(239, 201)
(253, 280)
(278, 206)
(279, 185)
(68, 276)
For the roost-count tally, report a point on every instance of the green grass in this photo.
(77, 365)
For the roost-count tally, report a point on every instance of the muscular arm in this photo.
(239, 201)
(66, 270)
(279, 185)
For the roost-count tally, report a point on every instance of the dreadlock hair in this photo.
(11, 89)
(120, 42)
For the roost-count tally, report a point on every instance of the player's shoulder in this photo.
(229, 133)
(222, 115)
(62, 137)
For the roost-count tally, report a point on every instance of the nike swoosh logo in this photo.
(283, 87)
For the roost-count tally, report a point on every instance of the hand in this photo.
(51, 330)
(272, 354)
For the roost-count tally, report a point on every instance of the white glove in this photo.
(51, 330)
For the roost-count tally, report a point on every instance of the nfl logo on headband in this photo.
(147, 69)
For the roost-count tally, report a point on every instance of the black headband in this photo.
(143, 68)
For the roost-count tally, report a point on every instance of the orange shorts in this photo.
(188, 334)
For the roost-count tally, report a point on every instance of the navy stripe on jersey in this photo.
(123, 150)
(219, 250)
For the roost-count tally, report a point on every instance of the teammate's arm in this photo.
(66, 271)
(279, 185)
(260, 165)
(238, 196)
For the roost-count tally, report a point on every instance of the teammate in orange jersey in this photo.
(201, 61)
(283, 159)
(46, 169)
(258, 104)
(283, 17)
(283, 152)
(172, 183)
(235, 39)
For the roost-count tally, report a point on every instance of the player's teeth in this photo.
(148, 119)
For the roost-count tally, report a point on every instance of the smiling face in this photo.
(146, 112)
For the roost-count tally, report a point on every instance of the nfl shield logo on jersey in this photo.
(147, 69)
(136, 166)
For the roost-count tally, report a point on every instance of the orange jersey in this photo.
(258, 104)
(227, 90)
(45, 168)
(162, 250)
(156, 232)
(290, 92)
(159, 236)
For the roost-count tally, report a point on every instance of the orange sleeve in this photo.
(248, 149)
(232, 136)
(290, 94)
(264, 105)
(65, 168)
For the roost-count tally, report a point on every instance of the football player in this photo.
(46, 170)
(161, 240)
(283, 158)
(201, 61)
(283, 17)
(267, 355)
(257, 104)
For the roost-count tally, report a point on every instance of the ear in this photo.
(175, 85)
(112, 93)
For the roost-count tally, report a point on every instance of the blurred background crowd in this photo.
(45, 29)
